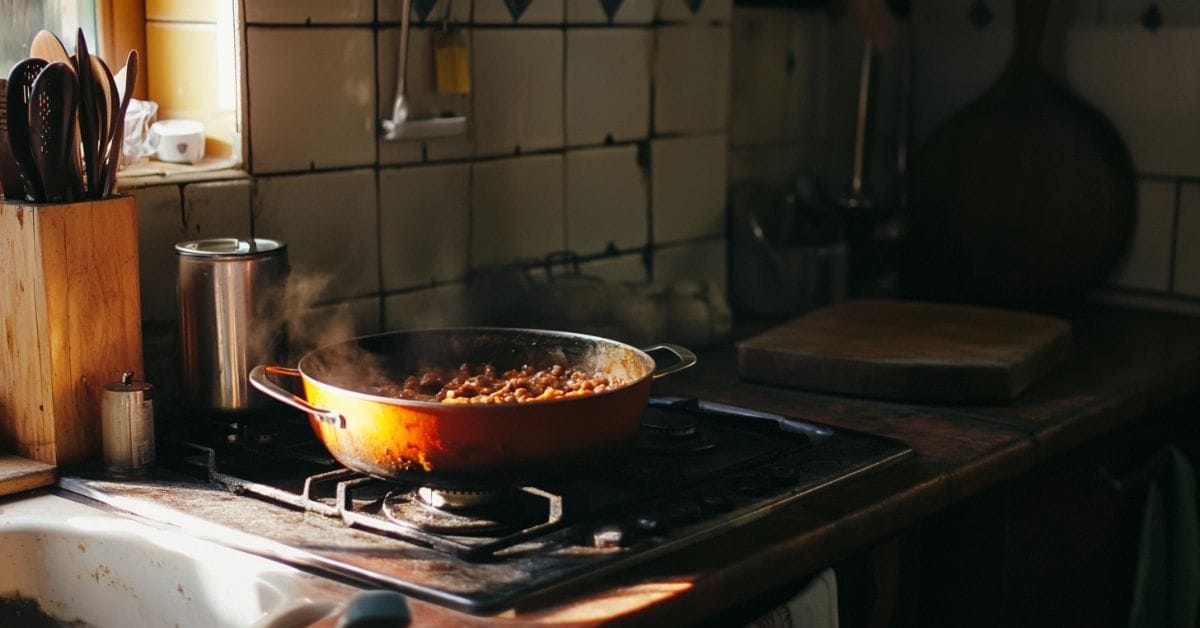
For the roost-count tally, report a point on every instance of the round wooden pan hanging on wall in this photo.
(1026, 197)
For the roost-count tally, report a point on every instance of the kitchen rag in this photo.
(1167, 577)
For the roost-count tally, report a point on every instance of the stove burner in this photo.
(455, 500)
(467, 513)
(672, 432)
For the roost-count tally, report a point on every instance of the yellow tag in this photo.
(452, 64)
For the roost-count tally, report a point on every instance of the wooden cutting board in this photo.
(909, 350)
(21, 474)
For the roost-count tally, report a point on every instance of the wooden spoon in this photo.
(112, 161)
(20, 82)
(52, 105)
(48, 46)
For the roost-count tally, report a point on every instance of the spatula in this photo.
(52, 105)
(49, 47)
(20, 82)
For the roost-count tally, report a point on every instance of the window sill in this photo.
(155, 172)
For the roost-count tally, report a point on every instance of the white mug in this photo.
(180, 141)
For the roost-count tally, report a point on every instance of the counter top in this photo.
(1124, 365)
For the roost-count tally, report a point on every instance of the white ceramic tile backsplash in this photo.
(422, 97)
(328, 221)
(607, 84)
(424, 224)
(518, 88)
(688, 187)
(776, 164)
(606, 199)
(1187, 242)
(955, 60)
(1173, 12)
(517, 209)
(309, 11)
(698, 260)
(691, 79)
(1148, 265)
(459, 11)
(535, 11)
(1138, 80)
(160, 226)
(311, 98)
(443, 306)
(706, 11)
(326, 324)
(628, 268)
(220, 209)
(628, 12)
(775, 71)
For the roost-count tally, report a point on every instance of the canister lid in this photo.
(230, 247)
(127, 384)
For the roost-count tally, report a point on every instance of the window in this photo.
(187, 50)
(24, 18)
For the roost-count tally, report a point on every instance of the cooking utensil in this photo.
(1025, 197)
(230, 295)
(107, 103)
(471, 444)
(52, 105)
(48, 46)
(89, 120)
(10, 174)
(20, 82)
(909, 350)
(112, 161)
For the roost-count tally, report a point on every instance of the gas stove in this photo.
(697, 469)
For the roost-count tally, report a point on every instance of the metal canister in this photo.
(231, 295)
(127, 425)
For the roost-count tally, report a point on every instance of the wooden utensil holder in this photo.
(70, 312)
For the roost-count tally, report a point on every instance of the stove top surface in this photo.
(698, 469)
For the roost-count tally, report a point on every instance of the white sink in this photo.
(104, 569)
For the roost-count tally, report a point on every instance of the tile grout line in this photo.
(1174, 237)
(381, 312)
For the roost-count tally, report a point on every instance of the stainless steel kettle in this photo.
(231, 294)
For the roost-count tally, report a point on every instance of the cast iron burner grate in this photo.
(701, 470)
(395, 510)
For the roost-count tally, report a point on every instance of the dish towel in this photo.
(1166, 587)
(815, 606)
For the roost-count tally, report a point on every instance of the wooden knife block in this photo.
(71, 314)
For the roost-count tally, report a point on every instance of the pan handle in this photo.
(686, 359)
(258, 379)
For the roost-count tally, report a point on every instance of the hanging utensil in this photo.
(10, 174)
(112, 161)
(52, 106)
(400, 105)
(20, 82)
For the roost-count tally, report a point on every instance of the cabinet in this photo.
(1053, 547)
